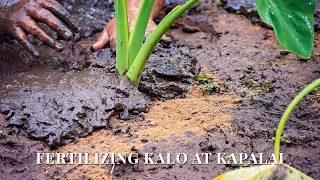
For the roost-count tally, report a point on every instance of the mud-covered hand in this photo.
(109, 32)
(19, 16)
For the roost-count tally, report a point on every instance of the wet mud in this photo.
(59, 114)
(256, 79)
(63, 96)
(91, 15)
(17, 153)
(59, 107)
(169, 72)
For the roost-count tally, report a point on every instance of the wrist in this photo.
(133, 3)
(133, 7)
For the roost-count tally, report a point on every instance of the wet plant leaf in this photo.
(292, 21)
(265, 172)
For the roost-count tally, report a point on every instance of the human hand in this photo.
(109, 32)
(19, 16)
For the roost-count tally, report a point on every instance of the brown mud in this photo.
(64, 96)
(255, 81)
(58, 107)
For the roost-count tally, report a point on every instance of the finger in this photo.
(48, 18)
(113, 44)
(58, 10)
(151, 27)
(32, 27)
(106, 35)
(22, 38)
(102, 41)
(111, 28)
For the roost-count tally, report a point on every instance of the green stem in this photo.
(139, 29)
(288, 111)
(135, 71)
(122, 37)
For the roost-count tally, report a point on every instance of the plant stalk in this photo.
(135, 71)
(287, 113)
(139, 29)
(122, 38)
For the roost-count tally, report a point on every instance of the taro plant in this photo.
(292, 21)
(131, 53)
(274, 171)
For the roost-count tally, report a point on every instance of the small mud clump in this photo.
(169, 72)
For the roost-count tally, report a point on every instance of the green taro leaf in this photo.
(292, 21)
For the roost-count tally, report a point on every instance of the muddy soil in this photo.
(255, 81)
(59, 107)
(249, 62)
(60, 99)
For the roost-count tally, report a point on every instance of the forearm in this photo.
(135, 4)
(157, 8)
